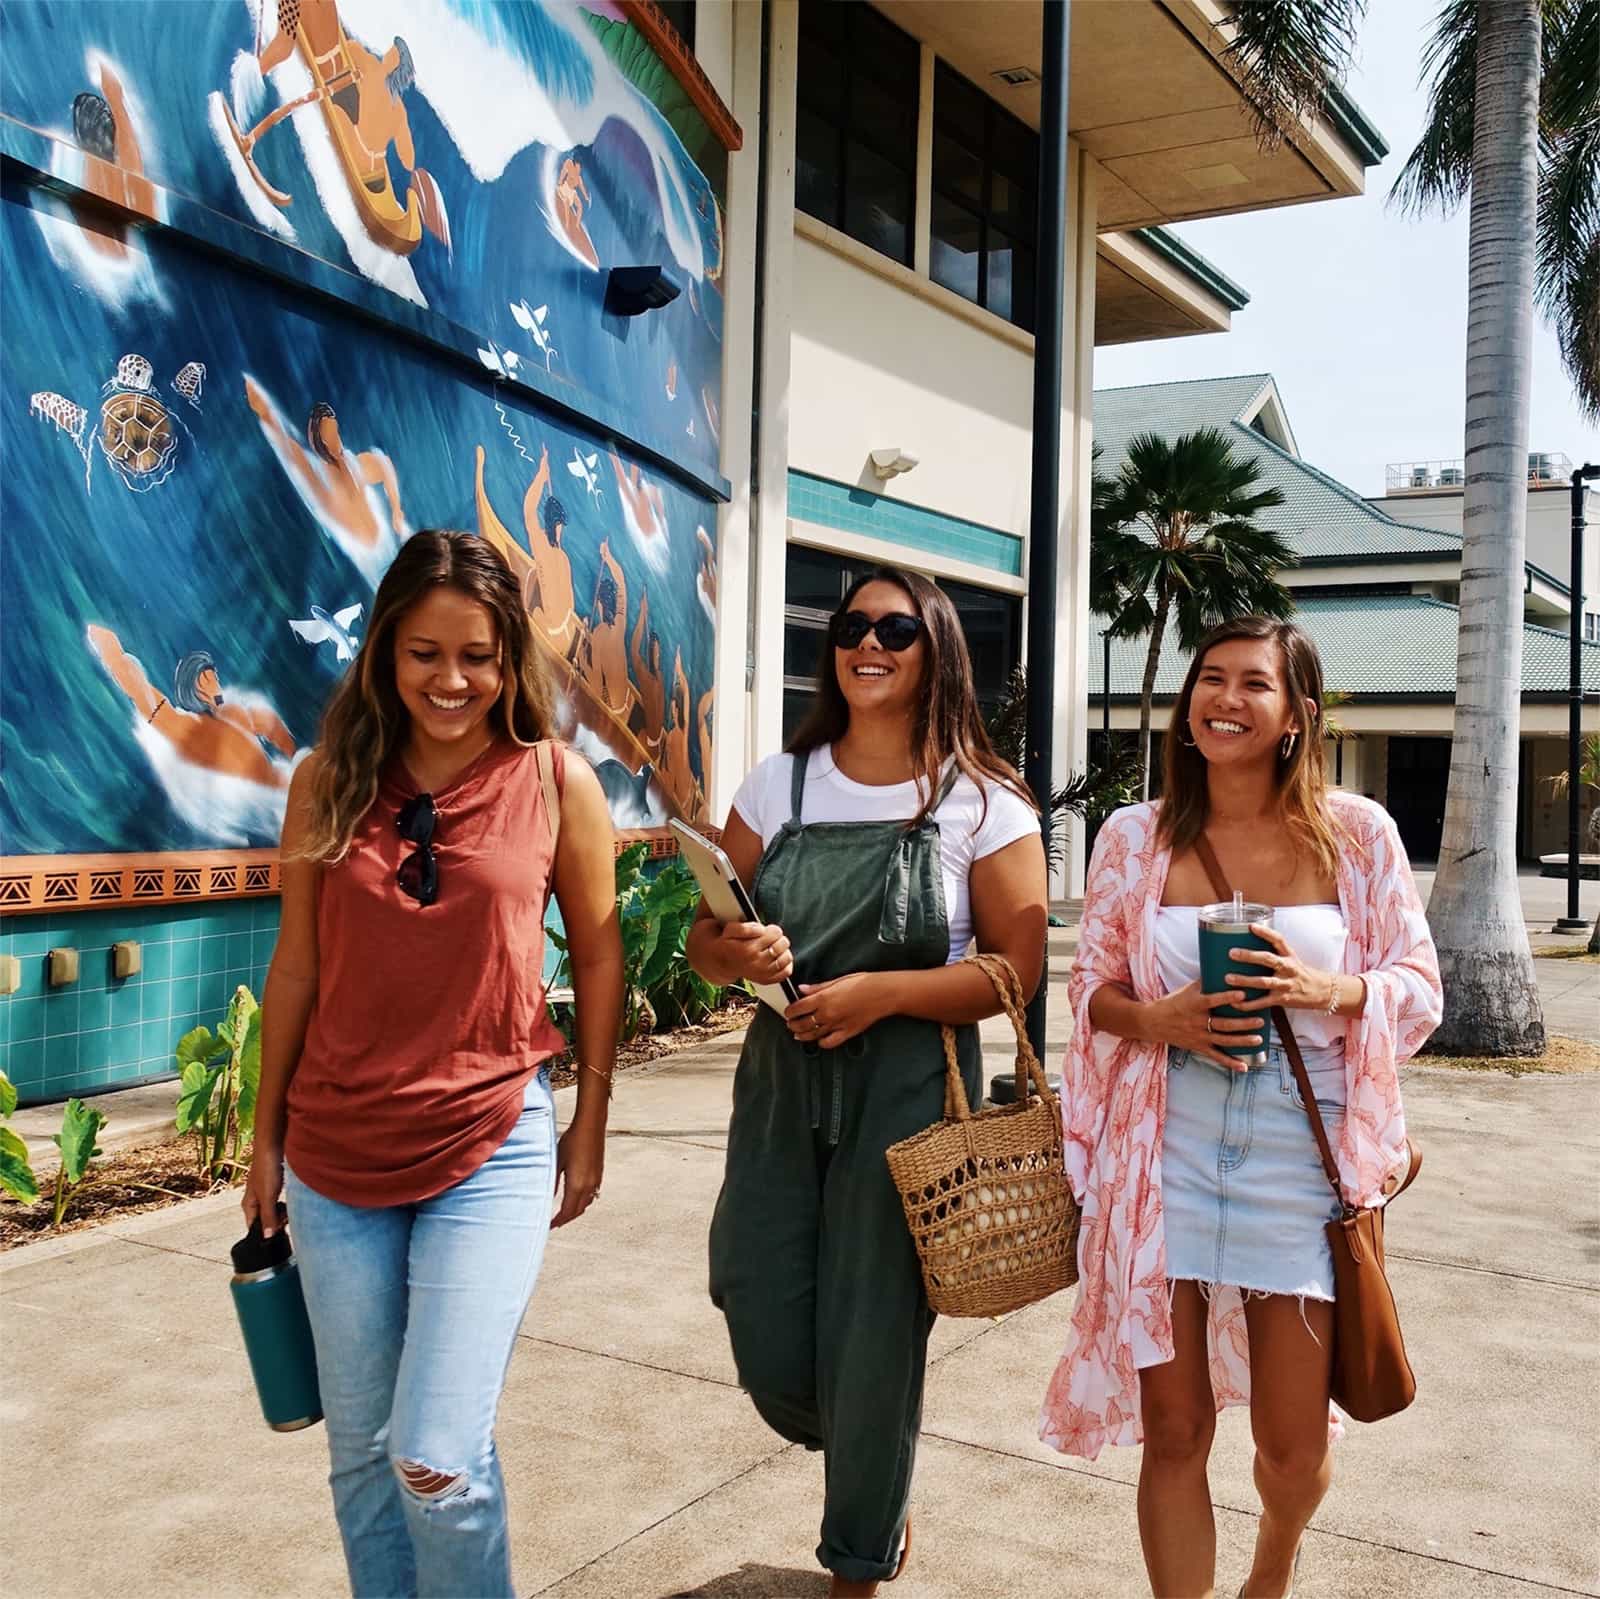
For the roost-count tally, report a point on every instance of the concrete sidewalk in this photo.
(637, 1470)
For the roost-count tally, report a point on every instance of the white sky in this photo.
(1358, 311)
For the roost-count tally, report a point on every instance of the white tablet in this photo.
(728, 900)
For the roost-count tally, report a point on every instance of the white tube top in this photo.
(1316, 933)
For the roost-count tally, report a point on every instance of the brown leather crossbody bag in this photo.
(1372, 1378)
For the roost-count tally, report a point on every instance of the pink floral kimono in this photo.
(1114, 1103)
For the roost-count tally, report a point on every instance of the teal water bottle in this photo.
(277, 1331)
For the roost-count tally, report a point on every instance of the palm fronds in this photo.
(1287, 54)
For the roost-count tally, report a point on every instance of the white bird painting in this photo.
(533, 323)
(502, 362)
(322, 627)
(585, 469)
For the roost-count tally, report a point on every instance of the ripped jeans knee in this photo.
(426, 1484)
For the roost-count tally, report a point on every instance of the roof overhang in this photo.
(1150, 285)
(1153, 98)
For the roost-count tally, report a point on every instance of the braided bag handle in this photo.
(1008, 986)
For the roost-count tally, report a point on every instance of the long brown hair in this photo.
(948, 723)
(1301, 777)
(365, 721)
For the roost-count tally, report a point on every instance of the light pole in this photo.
(1105, 691)
(1572, 922)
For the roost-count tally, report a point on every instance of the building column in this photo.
(728, 47)
(1073, 632)
(776, 269)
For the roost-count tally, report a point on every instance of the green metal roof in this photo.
(1321, 520)
(1397, 646)
(1171, 248)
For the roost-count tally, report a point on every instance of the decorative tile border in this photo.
(30, 883)
(856, 510)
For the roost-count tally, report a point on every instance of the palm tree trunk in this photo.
(1152, 660)
(1491, 996)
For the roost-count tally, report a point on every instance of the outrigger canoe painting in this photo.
(361, 96)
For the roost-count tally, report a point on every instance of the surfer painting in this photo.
(606, 665)
(362, 96)
(113, 165)
(571, 195)
(548, 595)
(338, 485)
(644, 510)
(201, 724)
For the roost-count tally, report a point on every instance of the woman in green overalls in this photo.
(886, 839)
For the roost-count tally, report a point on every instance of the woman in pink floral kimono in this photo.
(1206, 1278)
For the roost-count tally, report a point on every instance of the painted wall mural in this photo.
(205, 469)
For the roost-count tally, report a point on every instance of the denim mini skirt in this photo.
(1243, 1191)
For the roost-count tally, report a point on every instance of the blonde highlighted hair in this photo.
(1301, 776)
(365, 722)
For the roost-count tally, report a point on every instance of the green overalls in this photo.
(811, 1260)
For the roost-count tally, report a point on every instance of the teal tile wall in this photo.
(102, 1033)
(854, 510)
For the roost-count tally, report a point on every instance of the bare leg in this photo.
(1180, 1418)
(1289, 1378)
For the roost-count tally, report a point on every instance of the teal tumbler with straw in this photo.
(1225, 927)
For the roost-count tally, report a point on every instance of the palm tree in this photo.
(1491, 993)
(1287, 54)
(1514, 120)
(1175, 534)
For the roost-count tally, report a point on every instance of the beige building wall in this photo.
(1549, 529)
(877, 360)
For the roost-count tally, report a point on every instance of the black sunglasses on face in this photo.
(898, 630)
(419, 871)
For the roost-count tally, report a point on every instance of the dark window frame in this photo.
(998, 125)
(833, 25)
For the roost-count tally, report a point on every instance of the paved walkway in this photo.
(637, 1470)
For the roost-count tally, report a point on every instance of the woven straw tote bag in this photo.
(986, 1193)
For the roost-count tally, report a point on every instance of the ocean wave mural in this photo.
(469, 156)
(207, 469)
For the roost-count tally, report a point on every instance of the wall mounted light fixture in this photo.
(891, 462)
(631, 291)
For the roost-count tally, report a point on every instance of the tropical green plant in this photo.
(1174, 537)
(1111, 779)
(219, 1075)
(77, 1141)
(656, 911)
(16, 1172)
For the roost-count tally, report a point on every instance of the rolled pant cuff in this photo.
(853, 1569)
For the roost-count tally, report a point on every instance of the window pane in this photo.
(796, 702)
(992, 624)
(884, 119)
(802, 650)
(957, 171)
(818, 184)
(1013, 207)
(878, 202)
(1024, 287)
(958, 107)
(813, 579)
(880, 47)
(1015, 148)
(820, 78)
(957, 236)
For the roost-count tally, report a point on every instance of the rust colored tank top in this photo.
(429, 1020)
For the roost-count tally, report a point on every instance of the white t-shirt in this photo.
(763, 801)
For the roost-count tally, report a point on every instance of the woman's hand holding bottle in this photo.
(1187, 1019)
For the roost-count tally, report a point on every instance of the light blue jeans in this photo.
(415, 1309)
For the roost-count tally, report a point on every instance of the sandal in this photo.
(905, 1548)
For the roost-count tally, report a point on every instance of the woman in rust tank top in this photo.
(405, 1109)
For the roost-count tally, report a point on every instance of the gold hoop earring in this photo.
(1286, 748)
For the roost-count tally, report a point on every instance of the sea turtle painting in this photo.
(137, 434)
